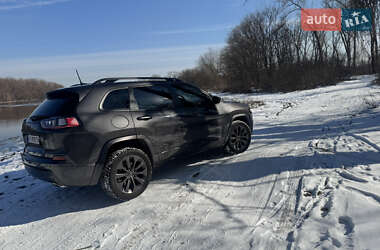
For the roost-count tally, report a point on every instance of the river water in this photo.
(11, 117)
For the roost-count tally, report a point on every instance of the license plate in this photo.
(34, 139)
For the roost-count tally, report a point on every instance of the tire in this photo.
(126, 174)
(239, 138)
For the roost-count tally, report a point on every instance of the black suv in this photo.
(116, 130)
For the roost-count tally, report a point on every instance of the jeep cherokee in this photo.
(116, 130)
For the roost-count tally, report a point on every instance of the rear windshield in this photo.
(54, 107)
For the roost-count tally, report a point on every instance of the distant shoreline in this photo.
(24, 91)
(16, 112)
(20, 102)
(14, 105)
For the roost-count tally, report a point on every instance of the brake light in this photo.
(59, 158)
(58, 123)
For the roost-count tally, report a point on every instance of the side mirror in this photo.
(216, 99)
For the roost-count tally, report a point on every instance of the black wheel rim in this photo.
(239, 138)
(131, 174)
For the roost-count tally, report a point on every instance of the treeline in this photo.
(269, 51)
(24, 90)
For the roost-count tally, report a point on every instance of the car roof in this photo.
(134, 79)
(105, 83)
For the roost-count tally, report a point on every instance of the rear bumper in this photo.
(60, 173)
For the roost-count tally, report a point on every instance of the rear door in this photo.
(154, 117)
(113, 119)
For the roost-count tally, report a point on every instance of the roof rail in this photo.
(114, 79)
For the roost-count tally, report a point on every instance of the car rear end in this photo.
(53, 136)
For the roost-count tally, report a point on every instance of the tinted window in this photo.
(191, 97)
(153, 98)
(55, 107)
(117, 99)
(191, 89)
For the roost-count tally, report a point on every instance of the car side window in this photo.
(191, 89)
(153, 98)
(117, 99)
(189, 98)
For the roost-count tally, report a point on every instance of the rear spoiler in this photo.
(67, 93)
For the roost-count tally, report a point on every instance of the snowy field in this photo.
(310, 179)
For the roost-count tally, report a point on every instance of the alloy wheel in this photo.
(239, 137)
(131, 174)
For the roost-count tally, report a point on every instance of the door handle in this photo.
(144, 118)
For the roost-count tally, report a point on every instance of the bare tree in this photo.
(210, 62)
(24, 89)
(374, 6)
(318, 36)
(268, 50)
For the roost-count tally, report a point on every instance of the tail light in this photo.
(60, 122)
(59, 158)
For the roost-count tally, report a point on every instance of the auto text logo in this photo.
(336, 19)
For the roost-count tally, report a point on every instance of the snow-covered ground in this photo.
(310, 179)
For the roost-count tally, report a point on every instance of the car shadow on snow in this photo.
(24, 199)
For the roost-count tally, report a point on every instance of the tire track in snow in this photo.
(269, 196)
(325, 203)
(191, 192)
(282, 215)
(367, 194)
(285, 220)
(365, 140)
